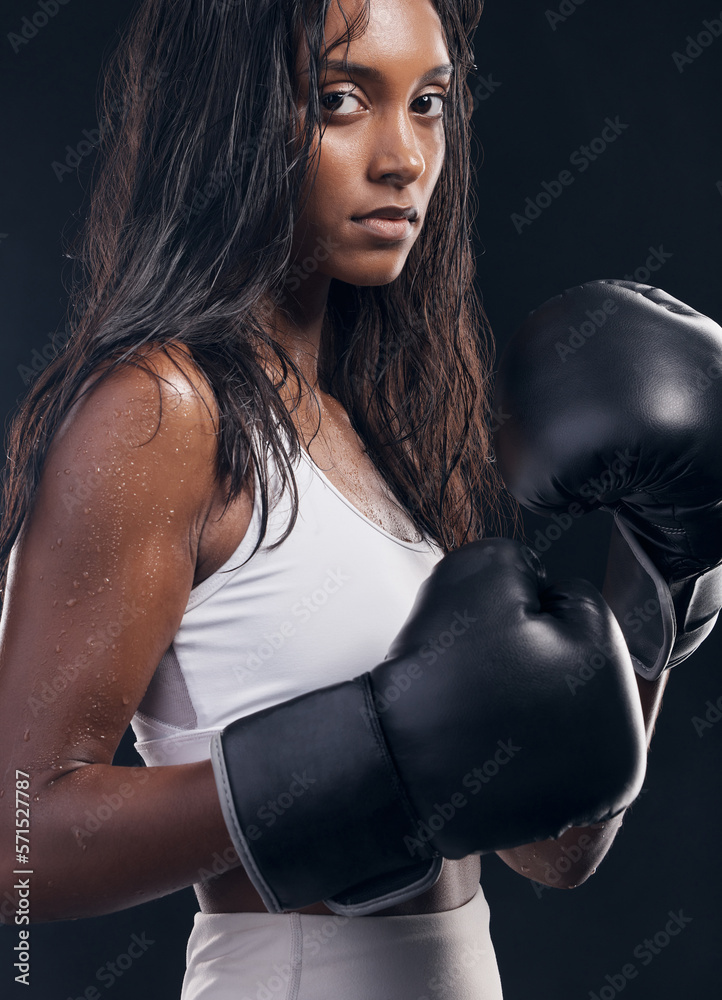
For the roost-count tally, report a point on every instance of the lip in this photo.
(409, 212)
(387, 229)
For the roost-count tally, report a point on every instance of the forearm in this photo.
(569, 860)
(104, 838)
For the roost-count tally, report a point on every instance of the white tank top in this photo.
(323, 607)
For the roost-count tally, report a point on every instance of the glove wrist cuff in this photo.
(314, 805)
(663, 623)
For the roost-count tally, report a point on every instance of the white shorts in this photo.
(300, 956)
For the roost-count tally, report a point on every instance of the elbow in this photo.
(573, 879)
(560, 875)
(569, 861)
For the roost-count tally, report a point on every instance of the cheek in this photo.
(339, 167)
(437, 155)
(334, 195)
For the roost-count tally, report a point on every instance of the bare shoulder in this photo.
(100, 575)
(158, 411)
(167, 374)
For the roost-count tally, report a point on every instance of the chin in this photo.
(374, 275)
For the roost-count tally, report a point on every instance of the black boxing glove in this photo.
(486, 748)
(612, 399)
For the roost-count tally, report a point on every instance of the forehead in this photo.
(402, 37)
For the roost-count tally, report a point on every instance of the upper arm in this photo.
(99, 577)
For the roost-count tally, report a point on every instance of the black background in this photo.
(549, 89)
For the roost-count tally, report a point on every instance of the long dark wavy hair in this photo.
(196, 187)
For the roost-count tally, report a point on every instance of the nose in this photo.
(395, 151)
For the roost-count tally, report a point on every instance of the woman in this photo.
(235, 303)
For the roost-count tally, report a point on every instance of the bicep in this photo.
(100, 574)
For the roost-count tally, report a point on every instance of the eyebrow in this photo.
(371, 73)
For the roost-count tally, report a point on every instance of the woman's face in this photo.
(382, 145)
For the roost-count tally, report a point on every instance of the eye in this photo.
(443, 98)
(336, 94)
